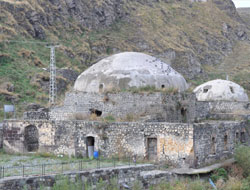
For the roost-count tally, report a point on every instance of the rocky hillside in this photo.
(199, 39)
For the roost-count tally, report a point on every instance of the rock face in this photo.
(127, 70)
(220, 90)
(195, 48)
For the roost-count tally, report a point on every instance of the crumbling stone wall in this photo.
(174, 141)
(14, 135)
(146, 106)
(125, 175)
(217, 140)
(181, 144)
(220, 109)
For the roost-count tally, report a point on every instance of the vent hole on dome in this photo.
(232, 89)
(205, 90)
(101, 87)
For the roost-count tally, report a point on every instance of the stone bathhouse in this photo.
(172, 126)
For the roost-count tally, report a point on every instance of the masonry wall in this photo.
(14, 135)
(217, 140)
(221, 110)
(124, 175)
(180, 144)
(174, 141)
(147, 106)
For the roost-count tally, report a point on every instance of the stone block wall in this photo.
(36, 115)
(148, 106)
(181, 144)
(217, 140)
(124, 175)
(14, 135)
(219, 109)
(174, 141)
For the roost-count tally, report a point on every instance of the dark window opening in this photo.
(184, 114)
(205, 90)
(213, 146)
(225, 142)
(242, 137)
(163, 86)
(237, 137)
(31, 138)
(232, 89)
(101, 88)
(98, 113)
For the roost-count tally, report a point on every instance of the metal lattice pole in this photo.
(52, 81)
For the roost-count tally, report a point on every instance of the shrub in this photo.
(220, 173)
(109, 118)
(242, 157)
(233, 184)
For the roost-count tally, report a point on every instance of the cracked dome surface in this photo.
(220, 90)
(126, 70)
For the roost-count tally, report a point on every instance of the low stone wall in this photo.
(36, 115)
(125, 175)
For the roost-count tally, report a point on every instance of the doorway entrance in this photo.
(31, 138)
(152, 148)
(90, 144)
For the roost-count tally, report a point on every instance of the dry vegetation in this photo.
(155, 28)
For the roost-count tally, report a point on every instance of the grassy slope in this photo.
(162, 26)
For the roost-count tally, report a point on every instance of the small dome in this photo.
(126, 70)
(220, 90)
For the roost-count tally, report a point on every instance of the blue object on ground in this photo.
(212, 183)
(96, 154)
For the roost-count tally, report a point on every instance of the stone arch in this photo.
(31, 135)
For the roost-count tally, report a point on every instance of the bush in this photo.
(242, 157)
(220, 173)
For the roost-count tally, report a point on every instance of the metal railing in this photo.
(60, 168)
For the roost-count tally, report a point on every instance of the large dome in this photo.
(126, 70)
(220, 90)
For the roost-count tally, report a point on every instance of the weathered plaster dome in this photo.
(126, 70)
(220, 90)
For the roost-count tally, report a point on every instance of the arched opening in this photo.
(162, 86)
(101, 88)
(31, 138)
(90, 144)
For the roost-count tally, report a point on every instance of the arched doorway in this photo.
(90, 144)
(31, 138)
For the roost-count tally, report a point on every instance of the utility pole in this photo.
(52, 81)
